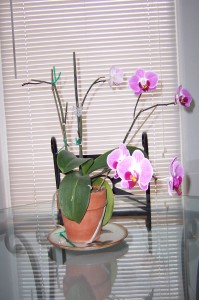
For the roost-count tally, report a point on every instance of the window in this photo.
(129, 34)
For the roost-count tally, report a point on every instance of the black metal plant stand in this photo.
(144, 207)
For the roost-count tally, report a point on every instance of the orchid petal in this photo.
(153, 78)
(134, 84)
(146, 171)
(143, 81)
(170, 186)
(116, 76)
(124, 166)
(138, 155)
(187, 95)
(125, 151)
(135, 168)
(176, 176)
(140, 73)
(178, 168)
(143, 187)
(113, 157)
(183, 96)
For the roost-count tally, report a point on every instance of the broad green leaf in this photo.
(110, 199)
(99, 162)
(74, 195)
(86, 166)
(67, 161)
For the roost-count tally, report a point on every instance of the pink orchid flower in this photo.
(135, 169)
(176, 176)
(116, 76)
(143, 81)
(183, 97)
(117, 156)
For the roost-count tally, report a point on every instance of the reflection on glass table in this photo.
(191, 247)
(88, 275)
(145, 265)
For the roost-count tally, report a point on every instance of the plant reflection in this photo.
(90, 274)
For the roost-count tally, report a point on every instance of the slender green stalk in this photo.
(66, 111)
(78, 108)
(98, 80)
(59, 108)
(139, 113)
(75, 79)
(62, 117)
(105, 177)
(79, 122)
(36, 81)
(59, 102)
(100, 173)
(136, 132)
(58, 113)
(136, 105)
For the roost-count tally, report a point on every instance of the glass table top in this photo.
(145, 265)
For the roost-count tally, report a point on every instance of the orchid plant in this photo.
(128, 163)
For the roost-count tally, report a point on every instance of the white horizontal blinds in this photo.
(128, 34)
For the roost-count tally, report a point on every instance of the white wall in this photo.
(188, 41)
(4, 172)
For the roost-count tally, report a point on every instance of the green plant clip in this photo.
(78, 141)
(62, 234)
(55, 77)
(65, 142)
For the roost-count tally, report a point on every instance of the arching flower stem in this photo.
(136, 105)
(98, 80)
(139, 113)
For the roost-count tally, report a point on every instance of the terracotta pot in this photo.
(84, 231)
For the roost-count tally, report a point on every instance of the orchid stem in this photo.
(59, 108)
(60, 112)
(100, 173)
(136, 105)
(75, 79)
(79, 113)
(60, 121)
(142, 124)
(36, 82)
(139, 113)
(99, 188)
(59, 102)
(98, 80)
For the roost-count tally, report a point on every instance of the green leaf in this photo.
(110, 199)
(86, 166)
(132, 149)
(99, 162)
(67, 161)
(74, 195)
